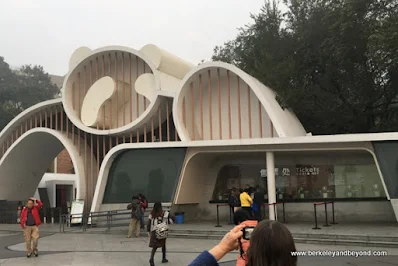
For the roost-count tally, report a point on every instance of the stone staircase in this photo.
(305, 238)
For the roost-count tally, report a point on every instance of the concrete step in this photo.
(308, 238)
(349, 242)
(332, 237)
(324, 239)
(341, 237)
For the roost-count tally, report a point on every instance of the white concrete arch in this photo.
(285, 123)
(26, 161)
(21, 117)
(94, 60)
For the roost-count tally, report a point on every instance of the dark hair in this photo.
(141, 196)
(242, 215)
(271, 243)
(157, 210)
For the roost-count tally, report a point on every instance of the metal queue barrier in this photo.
(325, 203)
(218, 213)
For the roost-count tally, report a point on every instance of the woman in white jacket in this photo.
(157, 217)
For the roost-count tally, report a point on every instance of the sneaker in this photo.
(128, 236)
(164, 261)
(36, 253)
(29, 255)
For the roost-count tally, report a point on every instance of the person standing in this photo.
(156, 218)
(233, 202)
(246, 201)
(259, 202)
(136, 214)
(144, 206)
(30, 221)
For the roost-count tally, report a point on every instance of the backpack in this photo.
(162, 227)
(138, 212)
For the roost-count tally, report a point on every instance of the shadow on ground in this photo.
(13, 238)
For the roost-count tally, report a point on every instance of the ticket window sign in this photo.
(285, 171)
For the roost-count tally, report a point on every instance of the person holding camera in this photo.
(30, 220)
(241, 217)
(271, 243)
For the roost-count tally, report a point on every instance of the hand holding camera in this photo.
(229, 243)
(247, 232)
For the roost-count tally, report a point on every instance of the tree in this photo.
(334, 62)
(22, 88)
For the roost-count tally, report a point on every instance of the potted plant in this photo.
(349, 191)
(376, 190)
(220, 196)
(280, 193)
(301, 192)
(325, 192)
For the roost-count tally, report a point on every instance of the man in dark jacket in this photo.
(259, 201)
(30, 220)
(136, 213)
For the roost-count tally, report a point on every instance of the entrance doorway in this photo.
(64, 197)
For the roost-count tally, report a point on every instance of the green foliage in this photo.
(21, 89)
(334, 62)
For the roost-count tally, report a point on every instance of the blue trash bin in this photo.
(179, 217)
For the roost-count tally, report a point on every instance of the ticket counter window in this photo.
(305, 182)
(237, 176)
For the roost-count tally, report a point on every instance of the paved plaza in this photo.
(106, 249)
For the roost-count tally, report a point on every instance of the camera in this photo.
(247, 232)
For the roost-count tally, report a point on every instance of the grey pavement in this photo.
(369, 229)
(107, 249)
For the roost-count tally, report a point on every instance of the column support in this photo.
(271, 184)
(56, 165)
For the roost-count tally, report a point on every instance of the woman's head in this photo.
(271, 244)
(141, 196)
(157, 209)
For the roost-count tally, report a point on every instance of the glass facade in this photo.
(334, 176)
(153, 172)
(387, 157)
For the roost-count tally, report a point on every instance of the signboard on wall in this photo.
(77, 211)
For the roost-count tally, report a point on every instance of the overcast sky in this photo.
(46, 32)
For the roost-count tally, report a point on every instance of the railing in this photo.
(102, 219)
(48, 215)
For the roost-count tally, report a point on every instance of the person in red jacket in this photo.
(30, 220)
(144, 206)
